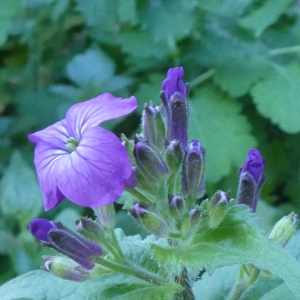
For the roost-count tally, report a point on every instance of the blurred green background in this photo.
(240, 57)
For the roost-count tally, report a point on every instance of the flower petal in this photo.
(97, 110)
(46, 160)
(96, 172)
(55, 135)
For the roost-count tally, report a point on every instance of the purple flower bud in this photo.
(39, 228)
(90, 229)
(175, 106)
(173, 83)
(251, 179)
(148, 162)
(149, 218)
(254, 164)
(193, 174)
(180, 118)
(64, 240)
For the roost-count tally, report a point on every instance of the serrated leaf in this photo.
(92, 65)
(38, 285)
(237, 74)
(100, 14)
(20, 195)
(217, 123)
(277, 97)
(261, 18)
(171, 19)
(237, 240)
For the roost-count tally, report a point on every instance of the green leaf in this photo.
(280, 292)
(261, 18)
(100, 14)
(169, 19)
(237, 74)
(8, 9)
(91, 65)
(217, 123)
(148, 90)
(217, 285)
(237, 240)
(127, 11)
(20, 195)
(38, 285)
(277, 97)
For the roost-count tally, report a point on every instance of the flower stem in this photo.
(243, 284)
(130, 270)
(203, 77)
(139, 196)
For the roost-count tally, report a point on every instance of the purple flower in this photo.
(78, 160)
(173, 83)
(254, 164)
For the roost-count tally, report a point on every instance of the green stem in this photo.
(286, 50)
(130, 270)
(139, 196)
(203, 77)
(244, 284)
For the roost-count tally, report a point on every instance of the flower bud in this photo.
(190, 223)
(148, 217)
(284, 229)
(64, 240)
(176, 205)
(193, 175)
(176, 110)
(217, 207)
(64, 268)
(174, 156)
(153, 126)
(149, 163)
(90, 229)
(251, 179)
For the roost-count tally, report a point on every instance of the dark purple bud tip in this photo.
(39, 228)
(254, 164)
(173, 83)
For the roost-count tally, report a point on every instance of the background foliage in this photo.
(240, 57)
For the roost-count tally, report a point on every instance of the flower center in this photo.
(72, 144)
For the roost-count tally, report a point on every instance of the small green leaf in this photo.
(261, 18)
(237, 74)
(20, 195)
(217, 123)
(42, 285)
(237, 240)
(277, 97)
(91, 65)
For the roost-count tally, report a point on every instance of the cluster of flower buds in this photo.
(165, 164)
(79, 251)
